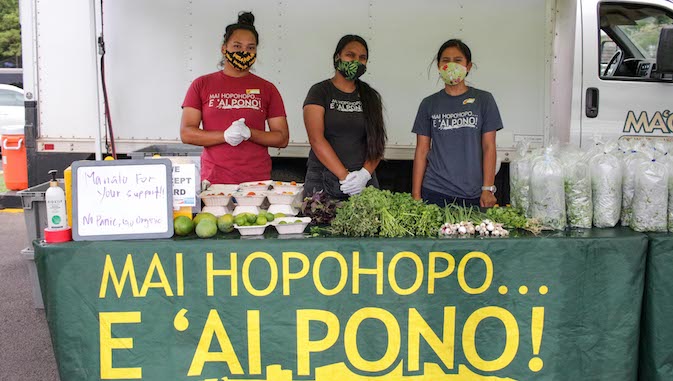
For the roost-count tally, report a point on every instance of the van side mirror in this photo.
(664, 68)
(608, 49)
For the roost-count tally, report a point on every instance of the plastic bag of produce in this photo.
(547, 197)
(519, 176)
(577, 183)
(606, 188)
(631, 159)
(665, 157)
(597, 148)
(670, 195)
(650, 199)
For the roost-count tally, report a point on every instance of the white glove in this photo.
(237, 133)
(355, 182)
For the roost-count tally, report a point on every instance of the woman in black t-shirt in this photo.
(344, 122)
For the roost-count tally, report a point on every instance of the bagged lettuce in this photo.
(577, 187)
(650, 199)
(665, 156)
(631, 159)
(597, 148)
(606, 188)
(519, 178)
(547, 196)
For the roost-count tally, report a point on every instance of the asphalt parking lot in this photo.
(25, 347)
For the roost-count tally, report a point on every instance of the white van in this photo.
(558, 69)
(626, 68)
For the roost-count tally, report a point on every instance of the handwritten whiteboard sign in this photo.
(122, 199)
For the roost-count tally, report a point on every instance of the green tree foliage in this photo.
(10, 29)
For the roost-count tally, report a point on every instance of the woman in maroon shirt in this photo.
(234, 105)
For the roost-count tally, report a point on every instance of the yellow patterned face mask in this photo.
(240, 60)
(452, 73)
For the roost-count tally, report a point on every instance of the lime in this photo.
(206, 228)
(204, 215)
(297, 221)
(183, 225)
(241, 220)
(282, 223)
(269, 216)
(252, 218)
(279, 215)
(225, 223)
(261, 220)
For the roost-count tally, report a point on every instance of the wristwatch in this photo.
(492, 188)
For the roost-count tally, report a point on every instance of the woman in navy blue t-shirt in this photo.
(455, 131)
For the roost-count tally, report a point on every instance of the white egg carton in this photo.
(211, 198)
(292, 186)
(224, 188)
(246, 199)
(245, 209)
(251, 230)
(287, 210)
(216, 210)
(293, 225)
(278, 197)
(254, 186)
(251, 183)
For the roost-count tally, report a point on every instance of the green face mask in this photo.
(351, 70)
(452, 73)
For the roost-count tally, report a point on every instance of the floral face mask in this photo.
(452, 73)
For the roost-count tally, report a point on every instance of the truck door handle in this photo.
(592, 102)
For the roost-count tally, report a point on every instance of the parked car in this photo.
(12, 112)
(11, 106)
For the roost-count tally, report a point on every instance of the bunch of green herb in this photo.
(383, 213)
(513, 218)
(360, 215)
(431, 219)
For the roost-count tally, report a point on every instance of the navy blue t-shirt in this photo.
(455, 125)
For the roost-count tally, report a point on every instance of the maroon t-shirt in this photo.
(222, 100)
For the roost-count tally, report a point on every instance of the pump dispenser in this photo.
(56, 210)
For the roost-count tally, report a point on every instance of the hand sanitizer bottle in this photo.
(56, 211)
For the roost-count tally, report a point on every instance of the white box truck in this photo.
(564, 69)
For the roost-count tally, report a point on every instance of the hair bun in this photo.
(246, 18)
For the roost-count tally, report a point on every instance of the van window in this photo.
(10, 98)
(629, 36)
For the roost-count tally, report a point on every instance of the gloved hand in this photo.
(355, 182)
(237, 133)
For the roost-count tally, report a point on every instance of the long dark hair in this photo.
(246, 21)
(372, 106)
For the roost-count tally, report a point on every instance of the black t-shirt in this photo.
(344, 124)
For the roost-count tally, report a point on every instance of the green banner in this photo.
(551, 308)
(656, 343)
